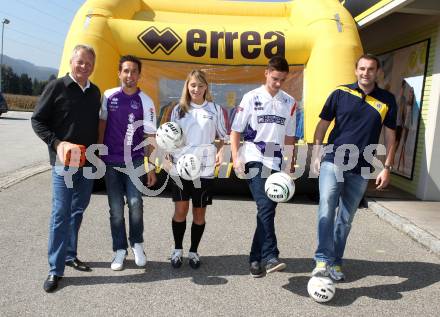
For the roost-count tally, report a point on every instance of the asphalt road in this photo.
(20, 147)
(388, 274)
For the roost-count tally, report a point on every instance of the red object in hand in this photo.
(75, 155)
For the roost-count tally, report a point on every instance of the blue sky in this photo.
(38, 28)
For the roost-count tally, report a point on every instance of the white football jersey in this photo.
(264, 121)
(200, 127)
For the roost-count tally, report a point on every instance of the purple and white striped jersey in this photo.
(122, 113)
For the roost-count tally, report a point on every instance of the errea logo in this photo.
(216, 44)
(167, 40)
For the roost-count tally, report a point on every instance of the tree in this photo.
(35, 87)
(10, 81)
(7, 75)
(25, 85)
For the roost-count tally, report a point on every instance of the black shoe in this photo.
(176, 258)
(51, 283)
(256, 270)
(274, 265)
(78, 265)
(194, 260)
(363, 203)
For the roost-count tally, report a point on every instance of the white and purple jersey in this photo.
(200, 127)
(122, 111)
(264, 122)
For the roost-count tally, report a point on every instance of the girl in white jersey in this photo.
(201, 120)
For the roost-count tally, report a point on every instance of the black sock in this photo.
(178, 233)
(196, 236)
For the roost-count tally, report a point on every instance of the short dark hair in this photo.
(370, 57)
(130, 58)
(278, 63)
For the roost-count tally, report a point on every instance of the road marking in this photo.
(12, 178)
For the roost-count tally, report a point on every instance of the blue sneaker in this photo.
(336, 274)
(274, 265)
(321, 269)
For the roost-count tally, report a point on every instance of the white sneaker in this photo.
(118, 261)
(139, 255)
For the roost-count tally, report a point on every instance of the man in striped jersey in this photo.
(266, 118)
(122, 108)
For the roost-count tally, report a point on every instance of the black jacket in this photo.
(65, 113)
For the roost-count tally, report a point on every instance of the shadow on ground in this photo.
(216, 270)
(411, 275)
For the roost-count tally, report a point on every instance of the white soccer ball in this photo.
(188, 167)
(321, 289)
(279, 187)
(169, 136)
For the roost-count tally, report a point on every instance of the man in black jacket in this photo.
(66, 119)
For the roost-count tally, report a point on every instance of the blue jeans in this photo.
(333, 228)
(264, 244)
(68, 206)
(119, 185)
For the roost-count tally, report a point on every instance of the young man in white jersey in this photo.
(266, 118)
(201, 121)
(122, 108)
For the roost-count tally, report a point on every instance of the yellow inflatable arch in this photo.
(230, 39)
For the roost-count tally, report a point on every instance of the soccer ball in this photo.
(188, 167)
(279, 187)
(321, 289)
(169, 136)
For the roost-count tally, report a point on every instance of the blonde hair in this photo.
(185, 98)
